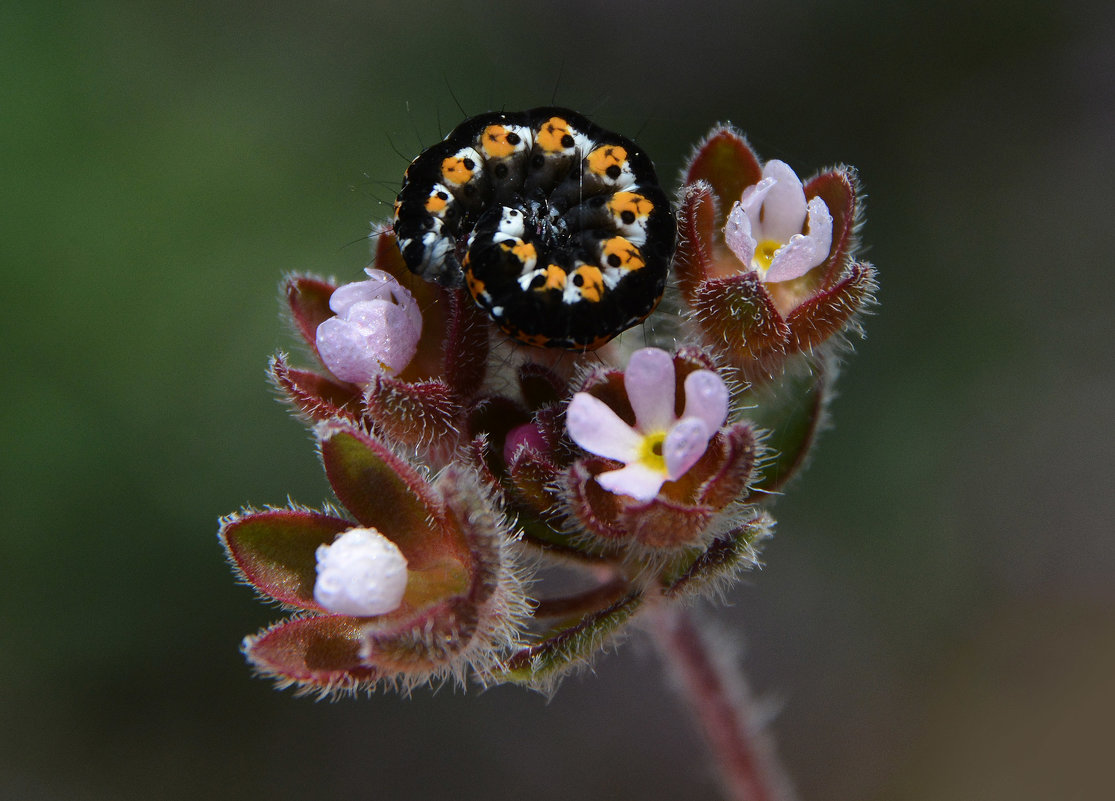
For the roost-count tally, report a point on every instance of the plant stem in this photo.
(720, 702)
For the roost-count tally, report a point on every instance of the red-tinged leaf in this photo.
(274, 551)
(828, 312)
(790, 409)
(688, 487)
(483, 527)
(728, 164)
(739, 313)
(570, 646)
(541, 534)
(413, 413)
(318, 653)
(722, 560)
(550, 422)
(309, 304)
(478, 455)
(481, 617)
(387, 493)
(466, 345)
(687, 359)
(694, 257)
(433, 584)
(607, 385)
(315, 395)
(569, 609)
(838, 189)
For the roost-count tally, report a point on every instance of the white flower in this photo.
(661, 447)
(764, 227)
(361, 573)
(375, 332)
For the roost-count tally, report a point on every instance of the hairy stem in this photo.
(718, 698)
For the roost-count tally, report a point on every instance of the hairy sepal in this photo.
(308, 300)
(727, 163)
(560, 650)
(738, 314)
(312, 395)
(710, 571)
(832, 310)
(385, 491)
(413, 413)
(274, 551)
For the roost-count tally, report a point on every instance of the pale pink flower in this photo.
(375, 332)
(661, 447)
(766, 227)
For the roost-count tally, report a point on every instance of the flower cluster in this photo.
(462, 460)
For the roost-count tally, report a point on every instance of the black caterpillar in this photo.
(558, 228)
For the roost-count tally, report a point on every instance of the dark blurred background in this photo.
(935, 620)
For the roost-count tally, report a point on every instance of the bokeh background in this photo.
(935, 619)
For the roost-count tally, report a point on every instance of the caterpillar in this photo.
(557, 227)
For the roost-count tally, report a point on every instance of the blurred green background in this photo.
(935, 620)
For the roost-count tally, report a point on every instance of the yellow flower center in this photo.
(650, 452)
(764, 254)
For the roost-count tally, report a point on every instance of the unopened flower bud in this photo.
(375, 332)
(361, 573)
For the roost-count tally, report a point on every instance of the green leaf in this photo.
(790, 408)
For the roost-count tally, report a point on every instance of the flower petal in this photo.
(706, 398)
(784, 206)
(753, 198)
(595, 427)
(804, 251)
(345, 296)
(737, 234)
(649, 381)
(390, 289)
(637, 480)
(684, 445)
(373, 337)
